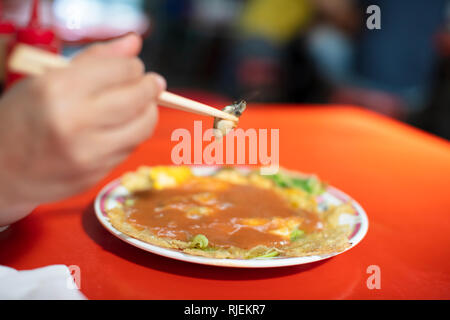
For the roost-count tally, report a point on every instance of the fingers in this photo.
(126, 46)
(119, 105)
(128, 136)
(107, 64)
(92, 75)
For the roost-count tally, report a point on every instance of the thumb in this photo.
(126, 46)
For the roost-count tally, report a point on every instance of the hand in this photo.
(63, 131)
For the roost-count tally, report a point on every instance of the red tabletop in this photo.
(400, 175)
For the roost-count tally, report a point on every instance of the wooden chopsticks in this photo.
(34, 61)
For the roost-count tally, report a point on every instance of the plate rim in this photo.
(356, 237)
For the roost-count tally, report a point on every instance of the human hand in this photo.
(63, 131)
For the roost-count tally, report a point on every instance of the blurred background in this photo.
(289, 51)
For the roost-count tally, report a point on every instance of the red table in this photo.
(400, 175)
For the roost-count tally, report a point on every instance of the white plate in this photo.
(113, 193)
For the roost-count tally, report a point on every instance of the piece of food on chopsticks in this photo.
(230, 214)
(222, 126)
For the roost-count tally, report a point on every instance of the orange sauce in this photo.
(221, 214)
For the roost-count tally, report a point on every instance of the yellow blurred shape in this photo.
(277, 20)
(145, 178)
(165, 177)
(254, 221)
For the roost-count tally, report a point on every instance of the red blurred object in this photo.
(6, 27)
(35, 35)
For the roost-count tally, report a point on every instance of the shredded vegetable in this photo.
(199, 241)
(270, 254)
(311, 185)
(296, 234)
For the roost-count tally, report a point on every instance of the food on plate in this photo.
(231, 213)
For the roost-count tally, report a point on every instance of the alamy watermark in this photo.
(238, 147)
(374, 280)
(74, 278)
(374, 19)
